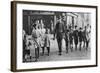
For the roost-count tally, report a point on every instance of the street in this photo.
(75, 55)
(53, 56)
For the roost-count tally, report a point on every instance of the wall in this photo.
(5, 37)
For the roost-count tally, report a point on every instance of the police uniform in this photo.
(59, 30)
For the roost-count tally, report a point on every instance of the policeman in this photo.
(59, 31)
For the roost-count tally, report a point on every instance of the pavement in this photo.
(75, 55)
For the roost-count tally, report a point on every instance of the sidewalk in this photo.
(75, 55)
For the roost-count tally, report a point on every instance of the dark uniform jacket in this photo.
(59, 30)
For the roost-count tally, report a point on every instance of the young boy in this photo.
(66, 39)
(71, 38)
(75, 37)
(80, 37)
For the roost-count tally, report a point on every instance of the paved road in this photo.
(75, 55)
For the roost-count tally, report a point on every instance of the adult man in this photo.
(59, 31)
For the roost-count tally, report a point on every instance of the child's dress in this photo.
(47, 40)
(42, 37)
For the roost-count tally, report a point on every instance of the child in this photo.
(66, 39)
(80, 37)
(75, 34)
(42, 37)
(35, 36)
(71, 38)
(84, 37)
(47, 41)
(27, 49)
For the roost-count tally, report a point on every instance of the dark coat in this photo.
(84, 35)
(59, 30)
(75, 34)
(66, 36)
(80, 36)
(71, 37)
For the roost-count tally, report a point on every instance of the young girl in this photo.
(42, 37)
(47, 41)
(35, 36)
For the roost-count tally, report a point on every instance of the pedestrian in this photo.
(80, 37)
(35, 36)
(71, 38)
(59, 32)
(75, 34)
(88, 33)
(47, 41)
(84, 37)
(28, 48)
(42, 37)
(66, 38)
(24, 46)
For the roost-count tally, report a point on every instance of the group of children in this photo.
(39, 40)
(78, 35)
